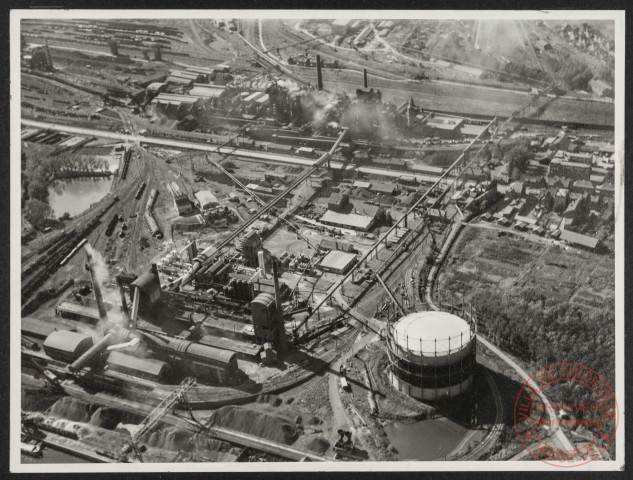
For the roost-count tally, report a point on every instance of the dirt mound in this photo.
(170, 438)
(71, 409)
(318, 445)
(107, 418)
(263, 425)
(37, 400)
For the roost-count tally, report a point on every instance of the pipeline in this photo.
(92, 352)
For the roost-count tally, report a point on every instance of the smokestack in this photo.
(281, 329)
(261, 260)
(319, 76)
(103, 317)
(364, 78)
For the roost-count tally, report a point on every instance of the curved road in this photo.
(556, 433)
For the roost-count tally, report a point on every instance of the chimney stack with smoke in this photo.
(319, 76)
(364, 78)
(103, 317)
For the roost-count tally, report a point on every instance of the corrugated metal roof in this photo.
(146, 365)
(67, 341)
(174, 98)
(337, 260)
(211, 353)
(90, 312)
(579, 239)
(347, 220)
(264, 299)
(205, 197)
(202, 90)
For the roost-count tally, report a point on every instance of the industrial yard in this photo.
(309, 241)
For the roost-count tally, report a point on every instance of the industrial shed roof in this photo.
(350, 220)
(203, 90)
(383, 187)
(83, 310)
(174, 98)
(211, 353)
(148, 366)
(156, 85)
(67, 341)
(36, 327)
(206, 198)
(264, 299)
(338, 261)
(579, 239)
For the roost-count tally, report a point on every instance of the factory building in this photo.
(264, 320)
(337, 201)
(561, 168)
(207, 73)
(207, 91)
(184, 78)
(75, 311)
(36, 328)
(206, 200)
(66, 346)
(174, 105)
(352, 221)
(438, 126)
(146, 368)
(337, 262)
(146, 290)
(156, 87)
(431, 355)
(180, 198)
(204, 362)
(248, 246)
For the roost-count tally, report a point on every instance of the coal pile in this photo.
(270, 427)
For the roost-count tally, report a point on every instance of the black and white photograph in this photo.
(324, 240)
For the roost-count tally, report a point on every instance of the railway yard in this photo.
(229, 226)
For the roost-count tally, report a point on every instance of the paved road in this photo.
(252, 155)
(556, 433)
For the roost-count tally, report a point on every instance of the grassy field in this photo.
(482, 259)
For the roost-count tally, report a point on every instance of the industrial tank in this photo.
(432, 354)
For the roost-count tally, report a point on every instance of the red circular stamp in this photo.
(566, 415)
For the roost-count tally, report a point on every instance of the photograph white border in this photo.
(15, 245)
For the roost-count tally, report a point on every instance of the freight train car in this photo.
(152, 225)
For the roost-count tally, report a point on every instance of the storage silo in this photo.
(432, 354)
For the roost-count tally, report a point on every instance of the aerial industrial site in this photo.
(312, 240)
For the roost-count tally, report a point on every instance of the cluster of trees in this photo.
(520, 70)
(573, 72)
(517, 160)
(541, 329)
(38, 171)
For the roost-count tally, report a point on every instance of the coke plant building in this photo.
(432, 354)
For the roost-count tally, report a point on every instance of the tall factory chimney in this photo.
(279, 314)
(364, 78)
(319, 76)
(103, 317)
(261, 260)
